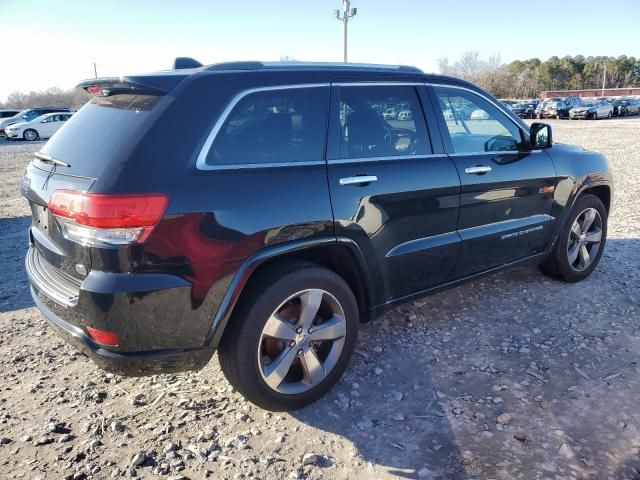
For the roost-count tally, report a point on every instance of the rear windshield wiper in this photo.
(49, 159)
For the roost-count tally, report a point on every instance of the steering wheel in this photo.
(500, 143)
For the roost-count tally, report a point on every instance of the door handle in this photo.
(358, 180)
(477, 170)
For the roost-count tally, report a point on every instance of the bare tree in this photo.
(52, 97)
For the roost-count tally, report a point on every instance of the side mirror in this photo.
(541, 136)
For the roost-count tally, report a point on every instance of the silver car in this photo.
(601, 109)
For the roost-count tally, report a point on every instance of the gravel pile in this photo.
(512, 376)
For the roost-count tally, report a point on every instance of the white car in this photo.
(479, 115)
(405, 115)
(43, 126)
(390, 113)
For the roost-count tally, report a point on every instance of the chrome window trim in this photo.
(374, 83)
(246, 166)
(494, 153)
(339, 161)
(499, 107)
(201, 161)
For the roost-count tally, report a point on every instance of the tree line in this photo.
(518, 79)
(527, 78)
(52, 97)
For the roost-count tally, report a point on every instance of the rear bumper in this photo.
(126, 363)
(153, 315)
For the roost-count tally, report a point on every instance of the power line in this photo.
(347, 14)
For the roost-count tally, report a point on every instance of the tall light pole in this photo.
(347, 14)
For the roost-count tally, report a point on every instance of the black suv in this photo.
(265, 210)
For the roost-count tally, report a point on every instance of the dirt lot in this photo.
(513, 376)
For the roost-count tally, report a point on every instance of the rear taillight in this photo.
(94, 218)
(103, 337)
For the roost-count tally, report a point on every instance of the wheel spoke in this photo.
(595, 236)
(309, 304)
(575, 230)
(589, 217)
(585, 259)
(313, 369)
(278, 369)
(278, 328)
(573, 253)
(332, 329)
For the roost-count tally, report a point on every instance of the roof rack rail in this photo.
(181, 63)
(248, 65)
(407, 68)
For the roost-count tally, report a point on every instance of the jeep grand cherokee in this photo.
(265, 210)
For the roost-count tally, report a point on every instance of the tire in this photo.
(246, 352)
(595, 116)
(30, 135)
(559, 264)
(609, 115)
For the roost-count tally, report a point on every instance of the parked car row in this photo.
(33, 123)
(574, 107)
(587, 108)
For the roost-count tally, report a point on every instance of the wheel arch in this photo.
(602, 190)
(342, 256)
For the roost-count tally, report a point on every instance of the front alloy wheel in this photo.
(30, 135)
(584, 239)
(580, 243)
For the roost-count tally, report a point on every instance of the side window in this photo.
(273, 126)
(475, 124)
(381, 121)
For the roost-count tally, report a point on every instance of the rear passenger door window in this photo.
(475, 125)
(381, 121)
(275, 126)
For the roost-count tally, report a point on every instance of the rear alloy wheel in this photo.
(297, 348)
(289, 343)
(30, 135)
(581, 241)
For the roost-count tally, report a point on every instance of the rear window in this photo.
(103, 131)
(273, 126)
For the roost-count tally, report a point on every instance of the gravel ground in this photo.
(512, 376)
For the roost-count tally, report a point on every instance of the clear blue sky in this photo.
(55, 42)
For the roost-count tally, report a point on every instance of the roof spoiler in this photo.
(182, 63)
(105, 87)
